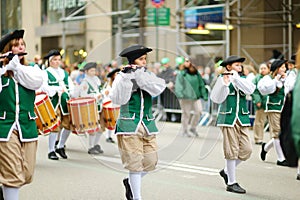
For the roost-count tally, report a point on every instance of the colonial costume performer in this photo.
(230, 93)
(136, 130)
(18, 134)
(91, 87)
(59, 87)
(273, 86)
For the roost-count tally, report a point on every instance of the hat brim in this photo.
(53, 52)
(134, 49)
(110, 74)
(228, 62)
(10, 36)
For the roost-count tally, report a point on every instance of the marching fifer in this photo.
(273, 86)
(136, 130)
(230, 93)
(18, 134)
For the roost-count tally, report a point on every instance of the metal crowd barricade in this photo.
(167, 102)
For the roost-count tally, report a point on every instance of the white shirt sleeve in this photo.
(27, 76)
(149, 82)
(121, 88)
(243, 84)
(71, 87)
(220, 91)
(290, 82)
(266, 85)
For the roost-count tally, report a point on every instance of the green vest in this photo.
(257, 97)
(275, 101)
(233, 108)
(64, 97)
(22, 112)
(137, 109)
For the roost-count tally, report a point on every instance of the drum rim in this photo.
(42, 100)
(73, 101)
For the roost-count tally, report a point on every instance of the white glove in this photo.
(13, 64)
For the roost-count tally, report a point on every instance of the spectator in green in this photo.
(189, 88)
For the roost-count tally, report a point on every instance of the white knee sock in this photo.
(64, 134)
(51, 142)
(91, 140)
(10, 193)
(143, 173)
(108, 133)
(231, 171)
(237, 162)
(269, 145)
(278, 149)
(97, 138)
(135, 180)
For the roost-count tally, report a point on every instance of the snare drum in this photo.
(84, 115)
(110, 114)
(47, 119)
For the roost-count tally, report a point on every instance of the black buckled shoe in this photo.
(282, 163)
(236, 188)
(263, 153)
(224, 176)
(98, 148)
(52, 156)
(110, 140)
(61, 152)
(1, 193)
(128, 192)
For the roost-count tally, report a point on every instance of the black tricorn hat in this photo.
(292, 59)
(276, 64)
(52, 52)
(10, 36)
(90, 65)
(110, 74)
(232, 59)
(134, 51)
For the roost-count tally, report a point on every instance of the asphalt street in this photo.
(188, 169)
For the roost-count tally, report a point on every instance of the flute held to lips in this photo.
(227, 73)
(11, 55)
(131, 68)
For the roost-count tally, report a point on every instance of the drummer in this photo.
(90, 87)
(59, 87)
(107, 88)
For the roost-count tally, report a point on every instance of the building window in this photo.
(11, 16)
(52, 10)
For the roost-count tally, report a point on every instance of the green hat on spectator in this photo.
(165, 61)
(179, 60)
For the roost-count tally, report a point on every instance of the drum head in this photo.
(81, 100)
(40, 98)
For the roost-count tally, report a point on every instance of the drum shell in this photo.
(84, 115)
(47, 119)
(110, 114)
